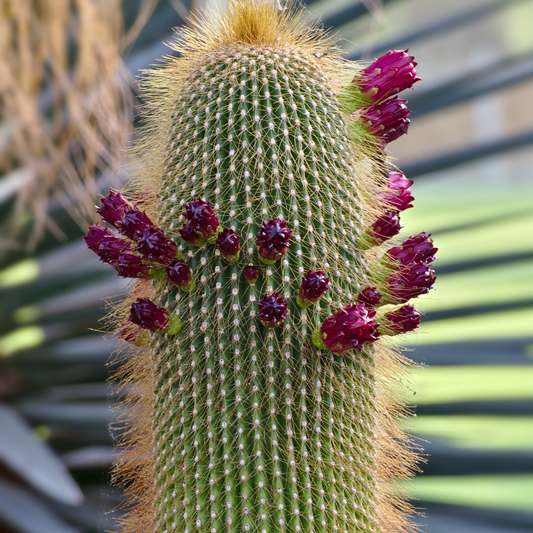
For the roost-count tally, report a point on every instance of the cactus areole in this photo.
(258, 171)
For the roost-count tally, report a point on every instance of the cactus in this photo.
(260, 395)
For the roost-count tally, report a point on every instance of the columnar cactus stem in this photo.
(243, 420)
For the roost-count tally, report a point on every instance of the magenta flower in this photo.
(130, 265)
(155, 246)
(202, 220)
(134, 223)
(272, 310)
(351, 327)
(398, 196)
(150, 316)
(314, 285)
(403, 320)
(228, 243)
(180, 274)
(251, 273)
(112, 208)
(386, 76)
(273, 240)
(410, 281)
(416, 249)
(384, 228)
(387, 120)
(94, 237)
(369, 296)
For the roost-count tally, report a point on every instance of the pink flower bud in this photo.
(386, 76)
(272, 310)
(112, 247)
(273, 240)
(155, 246)
(416, 249)
(94, 237)
(403, 320)
(314, 285)
(134, 223)
(351, 327)
(398, 197)
(130, 265)
(180, 273)
(201, 219)
(228, 244)
(188, 234)
(369, 296)
(411, 281)
(150, 316)
(251, 273)
(384, 228)
(387, 120)
(112, 208)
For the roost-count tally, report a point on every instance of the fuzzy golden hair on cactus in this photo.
(263, 395)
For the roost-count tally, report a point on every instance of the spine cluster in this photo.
(265, 382)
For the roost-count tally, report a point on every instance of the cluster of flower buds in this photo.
(147, 315)
(272, 310)
(202, 224)
(314, 285)
(410, 261)
(376, 85)
(351, 327)
(145, 253)
(273, 240)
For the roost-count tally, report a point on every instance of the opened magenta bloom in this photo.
(416, 249)
(369, 296)
(273, 240)
(112, 208)
(134, 223)
(403, 320)
(387, 120)
(272, 310)
(398, 196)
(155, 246)
(202, 219)
(411, 281)
(351, 327)
(150, 316)
(228, 244)
(251, 273)
(384, 228)
(386, 76)
(130, 265)
(314, 285)
(180, 273)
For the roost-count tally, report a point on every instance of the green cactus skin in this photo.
(236, 427)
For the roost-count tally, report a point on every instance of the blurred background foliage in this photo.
(67, 95)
